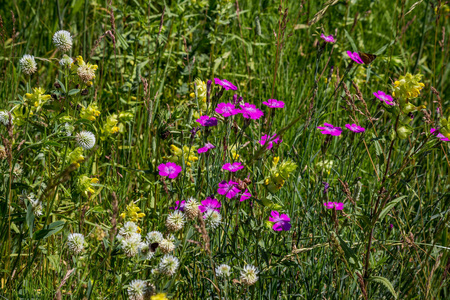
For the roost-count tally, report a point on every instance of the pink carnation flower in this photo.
(336, 205)
(209, 204)
(274, 103)
(228, 189)
(169, 169)
(233, 167)
(328, 38)
(245, 195)
(179, 205)
(225, 84)
(355, 57)
(207, 121)
(355, 128)
(383, 97)
(330, 129)
(282, 222)
(439, 135)
(272, 140)
(250, 111)
(206, 148)
(226, 109)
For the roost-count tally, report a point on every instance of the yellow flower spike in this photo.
(266, 182)
(89, 83)
(138, 229)
(276, 160)
(94, 180)
(122, 215)
(192, 95)
(115, 129)
(91, 190)
(140, 215)
(160, 296)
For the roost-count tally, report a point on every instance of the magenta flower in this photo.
(206, 148)
(336, 205)
(355, 57)
(383, 97)
(328, 38)
(207, 121)
(226, 109)
(228, 189)
(250, 111)
(439, 135)
(282, 222)
(209, 204)
(272, 140)
(245, 195)
(330, 129)
(233, 167)
(274, 103)
(169, 169)
(355, 128)
(179, 205)
(225, 84)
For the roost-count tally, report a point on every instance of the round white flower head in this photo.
(75, 241)
(69, 129)
(85, 140)
(167, 245)
(120, 238)
(128, 229)
(249, 275)
(4, 117)
(136, 289)
(66, 61)
(223, 270)
(175, 221)
(191, 209)
(154, 237)
(36, 204)
(168, 265)
(131, 244)
(86, 72)
(213, 218)
(62, 40)
(17, 170)
(28, 64)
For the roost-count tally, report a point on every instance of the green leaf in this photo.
(352, 42)
(49, 230)
(386, 283)
(73, 92)
(389, 206)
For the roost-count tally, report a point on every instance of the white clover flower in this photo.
(28, 64)
(128, 229)
(212, 218)
(86, 72)
(4, 117)
(69, 129)
(136, 289)
(131, 244)
(167, 245)
(85, 140)
(75, 241)
(223, 270)
(168, 265)
(120, 238)
(175, 221)
(62, 40)
(249, 275)
(66, 61)
(36, 204)
(154, 237)
(17, 170)
(191, 209)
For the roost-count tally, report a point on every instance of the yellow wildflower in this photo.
(132, 213)
(160, 296)
(37, 98)
(90, 112)
(76, 156)
(408, 86)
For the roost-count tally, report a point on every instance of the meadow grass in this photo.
(390, 240)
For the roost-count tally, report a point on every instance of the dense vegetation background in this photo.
(391, 238)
